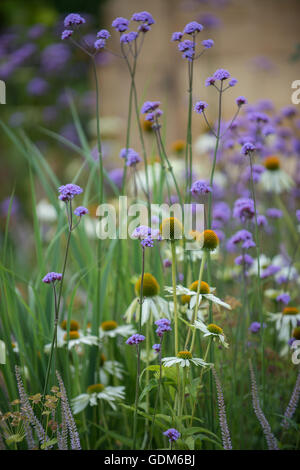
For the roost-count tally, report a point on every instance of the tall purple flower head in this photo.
(221, 212)
(172, 434)
(210, 81)
(177, 36)
(103, 34)
(193, 27)
(289, 111)
(188, 49)
(133, 158)
(255, 327)
(99, 44)
(207, 43)
(200, 187)
(221, 74)
(156, 347)
(244, 209)
(242, 236)
(66, 34)
(73, 19)
(120, 24)
(241, 100)
(80, 211)
(52, 277)
(232, 82)
(163, 325)
(69, 191)
(200, 106)
(149, 106)
(135, 339)
(284, 298)
(146, 20)
(248, 148)
(126, 38)
(245, 260)
(274, 213)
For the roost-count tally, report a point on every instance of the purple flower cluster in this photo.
(187, 46)
(80, 211)
(157, 348)
(152, 111)
(242, 236)
(52, 277)
(200, 106)
(135, 339)
(274, 213)
(244, 260)
(200, 187)
(244, 209)
(73, 19)
(69, 191)
(172, 434)
(284, 298)
(126, 38)
(163, 325)
(255, 327)
(120, 24)
(248, 148)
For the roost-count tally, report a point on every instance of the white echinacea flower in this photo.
(189, 295)
(76, 338)
(153, 304)
(211, 330)
(95, 393)
(111, 329)
(184, 359)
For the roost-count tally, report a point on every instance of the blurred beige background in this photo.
(254, 42)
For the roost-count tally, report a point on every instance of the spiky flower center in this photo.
(212, 328)
(210, 240)
(296, 332)
(72, 335)
(102, 359)
(204, 287)
(290, 311)
(184, 355)
(171, 229)
(96, 388)
(109, 325)
(272, 163)
(74, 325)
(150, 286)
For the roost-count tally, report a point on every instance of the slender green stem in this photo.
(136, 397)
(173, 248)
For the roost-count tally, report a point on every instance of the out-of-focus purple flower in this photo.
(149, 106)
(270, 271)
(120, 24)
(262, 221)
(17, 119)
(4, 206)
(103, 34)
(210, 81)
(284, 298)
(209, 21)
(298, 215)
(248, 148)
(80, 211)
(258, 117)
(221, 211)
(66, 34)
(268, 130)
(128, 37)
(99, 44)
(55, 57)
(157, 348)
(69, 191)
(274, 213)
(241, 100)
(144, 17)
(207, 43)
(243, 209)
(221, 74)
(193, 27)
(163, 325)
(200, 187)
(177, 36)
(133, 158)
(52, 277)
(245, 259)
(233, 82)
(257, 171)
(289, 111)
(116, 175)
(36, 31)
(255, 327)
(147, 242)
(167, 263)
(135, 339)
(172, 434)
(290, 341)
(37, 87)
(73, 19)
(242, 236)
(200, 106)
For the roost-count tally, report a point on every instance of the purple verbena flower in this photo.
(255, 327)
(274, 213)
(241, 100)
(52, 277)
(193, 27)
(248, 149)
(66, 34)
(73, 19)
(120, 24)
(163, 325)
(177, 36)
(149, 106)
(221, 74)
(270, 271)
(144, 17)
(200, 187)
(207, 43)
(245, 259)
(147, 242)
(128, 37)
(200, 106)
(103, 34)
(135, 339)
(99, 44)
(172, 434)
(167, 263)
(156, 347)
(284, 298)
(80, 211)
(69, 191)
(132, 158)
(244, 209)
(232, 82)
(210, 81)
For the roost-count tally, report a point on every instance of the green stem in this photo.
(202, 264)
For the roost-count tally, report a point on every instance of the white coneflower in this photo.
(274, 179)
(211, 330)
(153, 304)
(184, 359)
(76, 338)
(95, 393)
(111, 329)
(189, 295)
